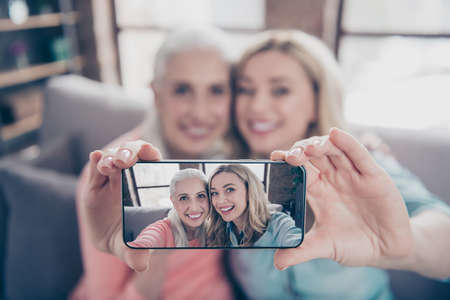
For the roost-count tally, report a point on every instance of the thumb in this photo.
(137, 259)
(313, 246)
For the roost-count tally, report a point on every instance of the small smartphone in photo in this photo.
(213, 204)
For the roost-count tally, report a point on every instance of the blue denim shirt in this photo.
(324, 278)
(280, 232)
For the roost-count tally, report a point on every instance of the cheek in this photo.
(172, 109)
(181, 207)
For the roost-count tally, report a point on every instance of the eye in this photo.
(214, 194)
(201, 196)
(280, 91)
(229, 190)
(217, 90)
(182, 198)
(241, 90)
(182, 89)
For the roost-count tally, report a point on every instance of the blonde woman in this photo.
(241, 215)
(183, 226)
(368, 213)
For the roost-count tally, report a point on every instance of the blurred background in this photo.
(393, 53)
(74, 75)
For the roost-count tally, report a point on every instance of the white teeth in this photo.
(263, 126)
(225, 209)
(196, 216)
(199, 131)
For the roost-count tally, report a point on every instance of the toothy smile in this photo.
(197, 132)
(226, 209)
(262, 127)
(194, 216)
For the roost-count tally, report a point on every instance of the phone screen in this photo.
(213, 204)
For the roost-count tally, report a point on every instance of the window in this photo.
(394, 55)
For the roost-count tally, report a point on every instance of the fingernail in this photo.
(317, 141)
(296, 152)
(283, 268)
(124, 155)
(108, 161)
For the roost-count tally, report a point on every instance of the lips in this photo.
(262, 127)
(194, 216)
(225, 210)
(197, 132)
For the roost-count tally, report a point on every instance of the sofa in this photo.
(39, 247)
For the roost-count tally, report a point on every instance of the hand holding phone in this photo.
(213, 204)
(100, 199)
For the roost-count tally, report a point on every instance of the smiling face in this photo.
(193, 100)
(274, 102)
(229, 197)
(190, 200)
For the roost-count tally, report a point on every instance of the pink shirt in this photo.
(190, 274)
(158, 235)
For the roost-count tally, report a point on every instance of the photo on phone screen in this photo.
(213, 204)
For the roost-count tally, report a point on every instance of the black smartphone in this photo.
(213, 204)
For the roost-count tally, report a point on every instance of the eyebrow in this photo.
(279, 79)
(201, 192)
(226, 185)
(183, 194)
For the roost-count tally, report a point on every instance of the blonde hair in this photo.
(178, 229)
(318, 63)
(256, 215)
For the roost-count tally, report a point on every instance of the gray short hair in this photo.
(178, 230)
(185, 174)
(186, 39)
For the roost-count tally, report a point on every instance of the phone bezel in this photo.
(241, 161)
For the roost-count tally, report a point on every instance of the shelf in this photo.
(24, 75)
(40, 21)
(21, 127)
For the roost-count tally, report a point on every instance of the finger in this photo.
(354, 151)
(105, 165)
(334, 156)
(278, 155)
(296, 157)
(95, 177)
(128, 154)
(137, 259)
(317, 155)
(312, 247)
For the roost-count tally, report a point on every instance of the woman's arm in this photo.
(105, 275)
(429, 255)
(286, 233)
(360, 216)
(156, 235)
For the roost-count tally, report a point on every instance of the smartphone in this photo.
(213, 204)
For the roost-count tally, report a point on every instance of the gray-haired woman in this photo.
(184, 225)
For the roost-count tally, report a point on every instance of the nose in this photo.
(200, 107)
(219, 199)
(260, 103)
(194, 206)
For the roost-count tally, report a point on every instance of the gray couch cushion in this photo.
(97, 113)
(423, 152)
(42, 256)
(61, 155)
(137, 218)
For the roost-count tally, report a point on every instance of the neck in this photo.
(190, 232)
(175, 153)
